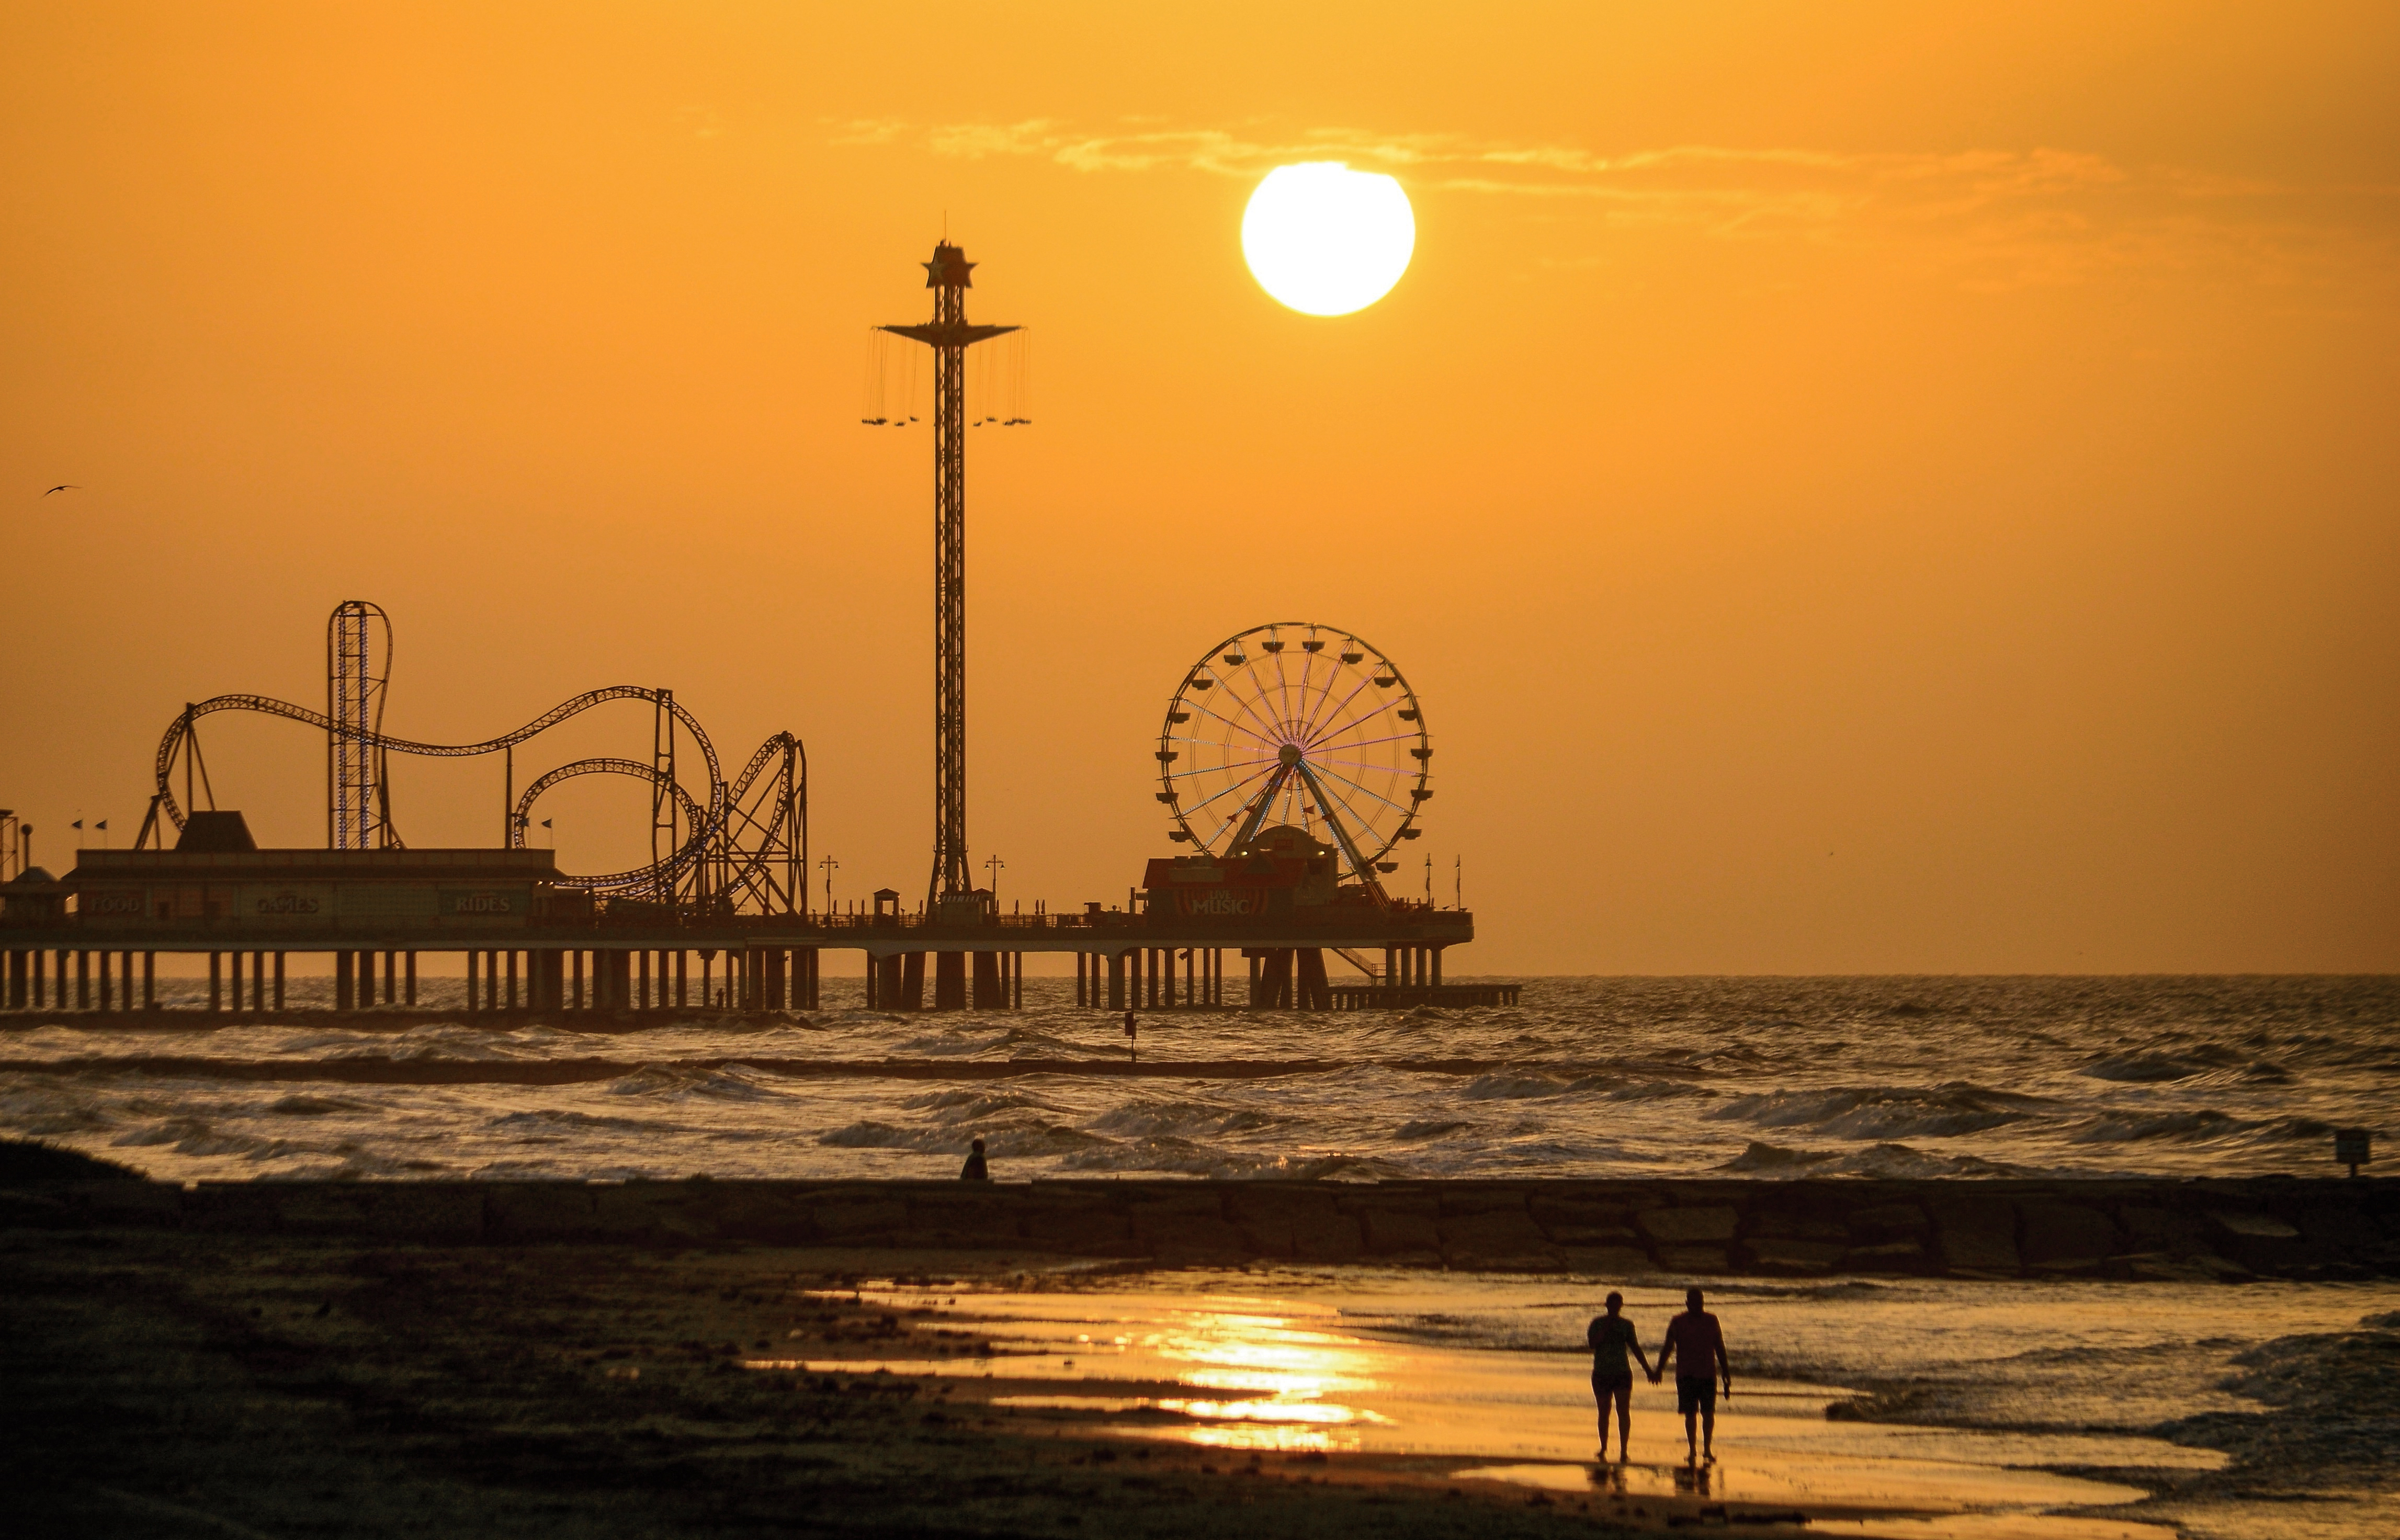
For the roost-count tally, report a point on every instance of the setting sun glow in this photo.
(1327, 241)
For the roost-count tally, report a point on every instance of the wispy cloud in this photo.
(2015, 217)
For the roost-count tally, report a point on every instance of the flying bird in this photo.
(63, 486)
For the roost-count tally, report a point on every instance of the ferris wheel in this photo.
(1299, 725)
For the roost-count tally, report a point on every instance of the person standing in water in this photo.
(1702, 1342)
(1612, 1377)
(1133, 1038)
(974, 1169)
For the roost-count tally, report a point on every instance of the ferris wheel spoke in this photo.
(1230, 789)
(1363, 769)
(1237, 726)
(1256, 706)
(1343, 704)
(1244, 768)
(1200, 741)
(1226, 815)
(1350, 714)
(1358, 852)
(1231, 755)
(1362, 744)
(1347, 807)
(1255, 812)
(1312, 694)
(1359, 860)
(1347, 738)
(1370, 715)
(1333, 707)
(1219, 832)
(1283, 692)
(1364, 789)
(1271, 701)
(1225, 820)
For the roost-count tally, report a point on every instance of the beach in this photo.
(700, 1365)
(2051, 1259)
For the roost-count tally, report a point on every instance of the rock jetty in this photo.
(2230, 1231)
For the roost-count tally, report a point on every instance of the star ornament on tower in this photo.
(949, 268)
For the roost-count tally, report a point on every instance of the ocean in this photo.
(1618, 1077)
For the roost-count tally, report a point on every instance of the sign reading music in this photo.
(1220, 902)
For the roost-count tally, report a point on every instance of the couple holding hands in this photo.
(1695, 1336)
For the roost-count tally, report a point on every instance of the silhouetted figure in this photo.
(1133, 1037)
(1612, 1377)
(974, 1169)
(1701, 1341)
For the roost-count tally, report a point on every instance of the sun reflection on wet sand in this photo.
(1469, 1370)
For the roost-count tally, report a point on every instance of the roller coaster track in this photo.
(641, 879)
(708, 825)
(748, 873)
(788, 790)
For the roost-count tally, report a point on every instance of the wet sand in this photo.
(175, 1383)
(287, 1358)
(1371, 1366)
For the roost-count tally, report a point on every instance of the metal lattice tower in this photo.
(358, 671)
(949, 336)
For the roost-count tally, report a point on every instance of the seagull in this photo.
(63, 486)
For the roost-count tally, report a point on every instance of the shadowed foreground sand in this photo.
(174, 1384)
(402, 1358)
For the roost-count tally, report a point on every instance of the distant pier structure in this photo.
(1294, 761)
(531, 941)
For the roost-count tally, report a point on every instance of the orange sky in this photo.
(1868, 488)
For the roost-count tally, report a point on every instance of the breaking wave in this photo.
(1893, 1161)
(734, 1082)
(1886, 1112)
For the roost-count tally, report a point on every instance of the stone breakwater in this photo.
(2231, 1230)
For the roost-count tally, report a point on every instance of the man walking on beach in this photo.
(1701, 1341)
(1612, 1377)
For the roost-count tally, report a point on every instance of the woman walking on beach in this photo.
(1612, 1377)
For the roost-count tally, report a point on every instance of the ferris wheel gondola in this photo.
(1301, 726)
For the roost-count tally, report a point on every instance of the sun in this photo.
(1327, 241)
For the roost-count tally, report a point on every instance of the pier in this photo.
(529, 943)
(1294, 763)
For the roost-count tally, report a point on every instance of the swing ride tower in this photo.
(949, 335)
